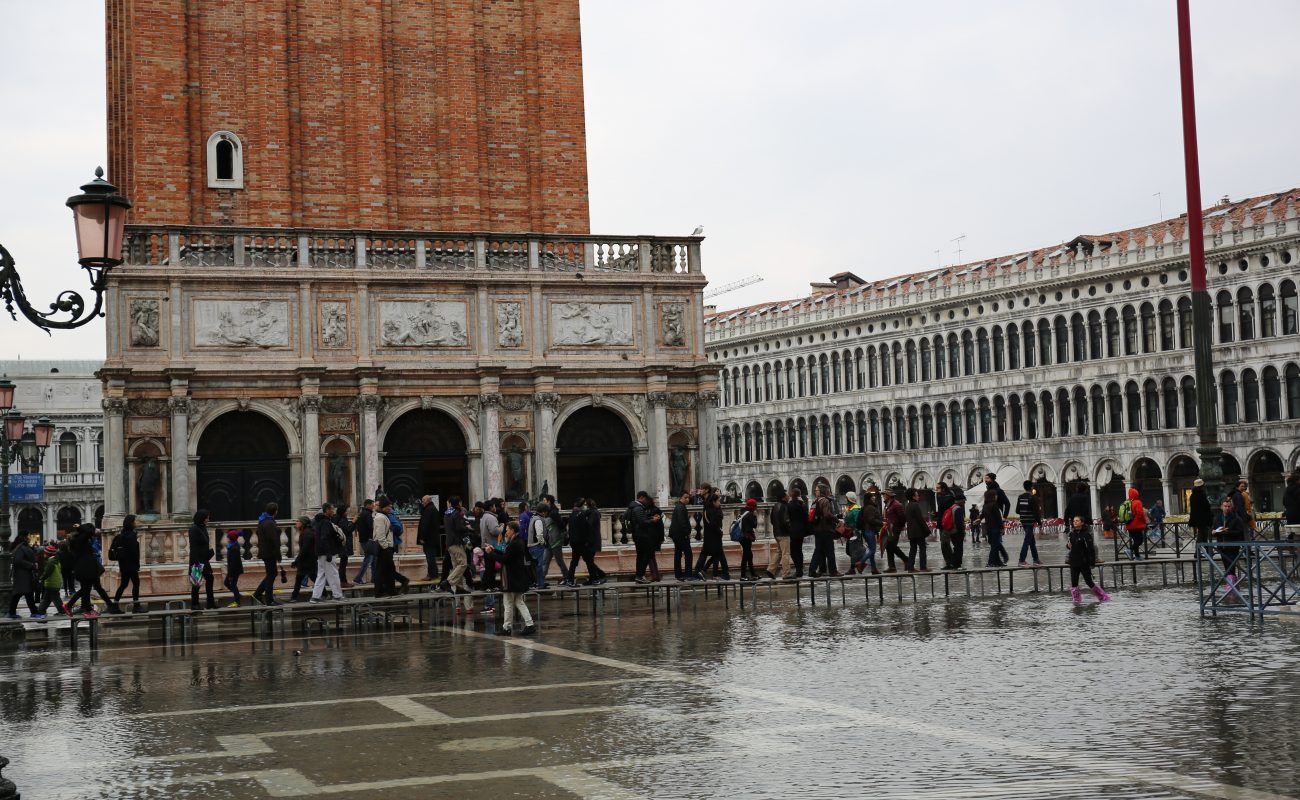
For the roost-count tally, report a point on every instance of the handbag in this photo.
(196, 574)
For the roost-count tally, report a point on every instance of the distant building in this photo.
(69, 394)
(1068, 366)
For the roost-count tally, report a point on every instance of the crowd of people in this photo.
(485, 547)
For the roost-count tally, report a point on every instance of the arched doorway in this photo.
(843, 485)
(1266, 481)
(1146, 479)
(243, 465)
(31, 520)
(67, 518)
(753, 491)
(798, 483)
(593, 458)
(1183, 472)
(424, 453)
(774, 491)
(1112, 487)
(1231, 470)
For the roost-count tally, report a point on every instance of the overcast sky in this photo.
(860, 135)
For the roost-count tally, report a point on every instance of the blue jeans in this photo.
(997, 553)
(541, 555)
(869, 555)
(1028, 545)
(367, 565)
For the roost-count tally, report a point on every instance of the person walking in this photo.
(647, 524)
(945, 503)
(342, 518)
(200, 559)
(584, 542)
(991, 517)
(1156, 522)
(748, 534)
(866, 524)
(1134, 518)
(824, 521)
(458, 542)
(895, 524)
(382, 537)
(538, 525)
(1079, 505)
(87, 570)
(428, 535)
(679, 530)
(798, 513)
(976, 524)
(305, 564)
(991, 484)
(1082, 558)
(396, 530)
(918, 530)
(52, 581)
(515, 580)
(1031, 516)
(125, 550)
(1200, 515)
(234, 568)
(711, 553)
(268, 550)
(329, 540)
(365, 531)
(1291, 506)
(779, 563)
(25, 578)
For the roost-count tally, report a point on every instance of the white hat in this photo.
(852, 497)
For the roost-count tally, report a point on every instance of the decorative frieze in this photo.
(423, 323)
(144, 323)
(240, 324)
(591, 324)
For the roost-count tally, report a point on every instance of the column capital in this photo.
(657, 399)
(114, 406)
(310, 403)
(370, 402)
(180, 405)
(490, 400)
(549, 400)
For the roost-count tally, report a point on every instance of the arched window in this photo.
(967, 353)
(885, 361)
(1062, 340)
(986, 421)
(1044, 343)
(857, 367)
(1292, 391)
(1228, 385)
(1184, 322)
(875, 431)
(1169, 392)
(799, 369)
(813, 441)
(999, 361)
(1112, 333)
(767, 441)
(1027, 333)
(826, 436)
(1272, 395)
(776, 379)
(1224, 301)
(940, 359)
(1245, 314)
(68, 452)
(913, 434)
(849, 441)
(954, 423)
(1133, 404)
(837, 442)
(954, 356)
(898, 363)
(871, 367)
(816, 376)
(1048, 414)
(726, 388)
(789, 379)
(803, 438)
(940, 425)
(99, 443)
(900, 435)
(1250, 395)
(749, 444)
(1130, 331)
(1267, 311)
(911, 361)
(982, 345)
(847, 363)
(1080, 412)
(1098, 411)
(1013, 346)
(780, 440)
(1290, 308)
(1189, 402)
(726, 445)
(1063, 411)
(925, 360)
(1115, 408)
(1167, 325)
(831, 383)
(862, 432)
(1148, 328)
(1000, 419)
(1079, 338)
(767, 383)
(969, 408)
(225, 161)
(1094, 334)
(887, 430)
(1031, 416)
(1017, 419)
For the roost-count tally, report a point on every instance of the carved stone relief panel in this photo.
(145, 322)
(335, 332)
(146, 426)
(673, 325)
(338, 423)
(681, 419)
(591, 324)
(241, 324)
(510, 324)
(514, 420)
(423, 323)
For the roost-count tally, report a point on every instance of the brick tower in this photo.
(463, 115)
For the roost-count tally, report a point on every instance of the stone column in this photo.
(1094, 497)
(115, 506)
(706, 421)
(658, 435)
(178, 499)
(311, 463)
(1165, 486)
(490, 426)
(545, 407)
(370, 472)
(1060, 502)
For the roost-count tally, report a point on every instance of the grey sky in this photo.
(848, 135)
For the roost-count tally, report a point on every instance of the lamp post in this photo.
(1207, 427)
(99, 214)
(15, 448)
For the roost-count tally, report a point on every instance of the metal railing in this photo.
(1254, 578)
(1178, 539)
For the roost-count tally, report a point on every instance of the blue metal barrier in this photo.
(1254, 578)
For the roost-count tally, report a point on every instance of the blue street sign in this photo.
(25, 488)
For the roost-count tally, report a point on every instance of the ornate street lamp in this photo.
(99, 214)
(15, 449)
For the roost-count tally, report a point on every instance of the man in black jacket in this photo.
(365, 529)
(584, 542)
(1078, 506)
(778, 562)
(1291, 505)
(328, 545)
(429, 535)
(798, 513)
(679, 530)
(1030, 517)
(647, 522)
(201, 556)
(991, 484)
(268, 549)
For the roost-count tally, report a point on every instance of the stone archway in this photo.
(243, 465)
(1147, 478)
(31, 520)
(1266, 480)
(594, 458)
(774, 490)
(1183, 472)
(754, 491)
(425, 453)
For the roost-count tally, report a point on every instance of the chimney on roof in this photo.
(710, 309)
(821, 288)
(1225, 200)
(846, 280)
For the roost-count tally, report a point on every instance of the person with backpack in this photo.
(647, 529)
(1082, 558)
(779, 562)
(234, 568)
(711, 551)
(823, 522)
(866, 525)
(895, 524)
(305, 562)
(538, 523)
(798, 514)
(125, 550)
(748, 524)
(679, 530)
(1031, 516)
(268, 549)
(944, 501)
(1134, 519)
(329, 541)
(200, 559)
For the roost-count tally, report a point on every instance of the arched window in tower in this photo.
(1228, 385)
(1112, 334)
(1013, 346)
(1133, 405)
(1130, 331)
(999, 349)
(1189, 401)
(1049, 414)
(967, 353)
(1098, 410)
(925, 360)
(1031, 416)
(1267, 311)
(1063, 412)
(1184, 322)
(940, 425)
(927, 426)
(1290, 308)
(1167, 326)
(1224, 302)
(1078, 338)
(1169, 396)
(1250, 395)
(1044, 343)
(1062, 329)
(1148, 328)
(1094, 334)
(1245, 314)
(1017, 418)
(1292, 391)
(1151, 404)
(1272, 395)
(911, 361)
(1080, 412)
(225, 161)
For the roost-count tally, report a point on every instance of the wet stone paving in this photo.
(1021, 696)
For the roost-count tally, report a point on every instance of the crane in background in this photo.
(733, 286)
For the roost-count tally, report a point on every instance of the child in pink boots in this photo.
(1083, 554)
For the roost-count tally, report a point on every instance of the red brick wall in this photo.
(398, 114)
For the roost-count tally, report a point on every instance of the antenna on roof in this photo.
(958, 240)
(938, 262)
(1160, 206)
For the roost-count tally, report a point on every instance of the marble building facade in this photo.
(1068, 366)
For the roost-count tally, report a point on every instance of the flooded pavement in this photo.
(1024, 696)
